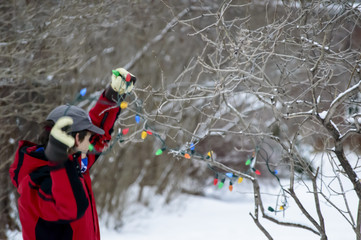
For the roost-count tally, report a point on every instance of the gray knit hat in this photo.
(80, 117)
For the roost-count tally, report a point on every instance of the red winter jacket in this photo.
(58, 203)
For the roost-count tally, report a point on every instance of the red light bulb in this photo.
(215, 181)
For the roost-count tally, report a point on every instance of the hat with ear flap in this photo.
(81, 119)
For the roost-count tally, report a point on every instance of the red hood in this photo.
(28, 157)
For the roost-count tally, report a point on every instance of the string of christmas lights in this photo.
(283, 201)
(188, 153)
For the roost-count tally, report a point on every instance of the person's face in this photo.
(83, 145)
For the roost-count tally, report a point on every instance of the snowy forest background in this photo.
(277, 79)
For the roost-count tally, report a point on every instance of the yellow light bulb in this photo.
(123, 105)
(144, 134)
(240, 179)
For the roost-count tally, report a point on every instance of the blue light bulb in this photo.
(230, 175)
(137, 118)
(192, 147)
(83, 92)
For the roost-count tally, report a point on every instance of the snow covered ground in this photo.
(222, 215)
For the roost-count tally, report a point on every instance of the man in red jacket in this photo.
(56, 198)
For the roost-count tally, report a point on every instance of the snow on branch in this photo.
(299, 114)
(316, 44)
(339, 99)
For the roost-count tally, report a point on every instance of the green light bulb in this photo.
(91, 147)
(271, 209)
(116, 73)
(159, 152)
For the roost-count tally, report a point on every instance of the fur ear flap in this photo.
(60, 135)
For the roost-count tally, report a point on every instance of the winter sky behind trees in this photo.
(218, 82)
